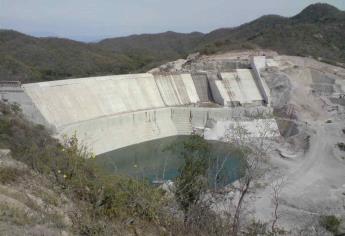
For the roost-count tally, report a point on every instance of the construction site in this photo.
(301, 100)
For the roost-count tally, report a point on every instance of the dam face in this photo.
(112, 112)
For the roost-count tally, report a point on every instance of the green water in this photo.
(151, 160)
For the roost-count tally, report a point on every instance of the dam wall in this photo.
(177, 89)
(69, 101)
(110, 112)
(109, 133)
(66, 102)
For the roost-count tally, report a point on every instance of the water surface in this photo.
(153, 160)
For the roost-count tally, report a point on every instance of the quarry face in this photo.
(301, 100)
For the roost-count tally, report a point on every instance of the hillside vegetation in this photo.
(52, 188)
(318, 31)
(47, 187)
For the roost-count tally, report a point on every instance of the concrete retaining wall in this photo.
(235, 88)
(16, 95)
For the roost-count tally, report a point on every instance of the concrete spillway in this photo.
(111, 112)
(200, 81)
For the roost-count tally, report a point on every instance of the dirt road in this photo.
(314, 184)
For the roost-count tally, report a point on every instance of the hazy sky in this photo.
(95, 19)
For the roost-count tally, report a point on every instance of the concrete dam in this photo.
(112, 112)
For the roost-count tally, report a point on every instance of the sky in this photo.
(91, 20)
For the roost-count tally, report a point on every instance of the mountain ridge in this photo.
(317, 31)
(319, 12)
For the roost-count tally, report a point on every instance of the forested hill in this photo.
(318, 31)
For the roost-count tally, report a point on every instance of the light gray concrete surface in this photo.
(113, 132)
(259, 63)
(16, 95)
(65, 102)
(238, 87)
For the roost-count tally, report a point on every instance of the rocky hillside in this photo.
(318, 31)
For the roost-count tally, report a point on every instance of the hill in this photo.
(317, 31)
(154, 49)
(28, 58)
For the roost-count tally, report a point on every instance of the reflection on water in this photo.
(153, 160)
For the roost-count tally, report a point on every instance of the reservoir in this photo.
(156, 161)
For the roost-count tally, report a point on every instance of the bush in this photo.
(122, 197)
(331, 223)
(341, 146)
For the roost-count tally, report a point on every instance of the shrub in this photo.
(192, 180)
(331, 223)
(122, 197)
(15, 107)
(341, 146)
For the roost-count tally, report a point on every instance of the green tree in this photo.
(192, 181)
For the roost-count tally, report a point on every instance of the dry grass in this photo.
(16, 215)
(11, 174)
